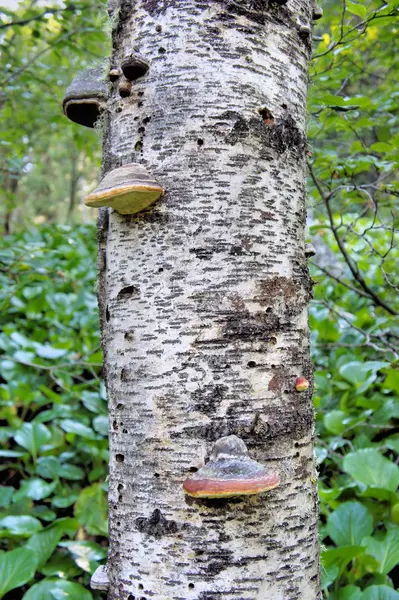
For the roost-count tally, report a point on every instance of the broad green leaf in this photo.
(35, 488)
(380, 592)
(48, 467)
(91, 509)
(71, 472)
(372, 469)
(349, 592)
(100, 424)
(385, 551)
(349, 524)
(77, 428)
(60, 565)
(57, 589)
(334, 421)
(44, 543)
(32, 436)
(85, 554)
(357, 9)
(6, 496)
(23, 526)
(16, 568)
(341, 556)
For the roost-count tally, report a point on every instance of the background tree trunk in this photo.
(204, 301)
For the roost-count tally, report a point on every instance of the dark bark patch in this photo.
(279, 134)
(208, 399)
(253, 10)
(277, 382)
(156, 525)
(285, 298)
(157, 7)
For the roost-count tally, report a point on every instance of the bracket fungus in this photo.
(230, 472)
(99, 580)
(317, 13)
(128, 189)
(310, 250)
(134, 66)
(85, 98)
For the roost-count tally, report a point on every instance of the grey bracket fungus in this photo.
(310, 250)
(317, 13)
(99, 580)
(134, 66)
(86, 97)
(230, 472)
(128, 189)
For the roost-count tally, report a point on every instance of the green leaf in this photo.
(334, 421)
(77, 428)
(6, 496)
(23, 526)
(341, 556)
(85, 554)
(16, 568)
(349, 524)
(57, 589)
(44, 543)
(32, 436)
(35, 488)
(385, 551)
(380, 592)
(100, 424)
(349, 592)
(48, 467)
(372, 469)
(91, 509)
(357, 9)
(71, 472)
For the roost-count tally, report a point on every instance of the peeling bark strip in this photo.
(203, 302)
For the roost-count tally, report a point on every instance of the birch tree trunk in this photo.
(204, 298)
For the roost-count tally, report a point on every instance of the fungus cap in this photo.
(128, 189)
(99, 579)
(85, 97)
(134, 66)
(230, 472)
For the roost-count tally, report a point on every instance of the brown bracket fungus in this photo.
(128, 189)
(134, 66)
(230, 472)
(86, 97)
(99, 580)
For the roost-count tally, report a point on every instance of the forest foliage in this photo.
(53, 429)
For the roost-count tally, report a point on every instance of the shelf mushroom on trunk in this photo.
(86, 97)
(230, 472)
(128, 189)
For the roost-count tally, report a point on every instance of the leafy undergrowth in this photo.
(54, 428)
(357, 406)
(53, 510)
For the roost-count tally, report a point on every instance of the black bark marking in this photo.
(128, 291)
(120, 458)
(156, 525)
(280, 134)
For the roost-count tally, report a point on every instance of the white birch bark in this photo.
(204, 302)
